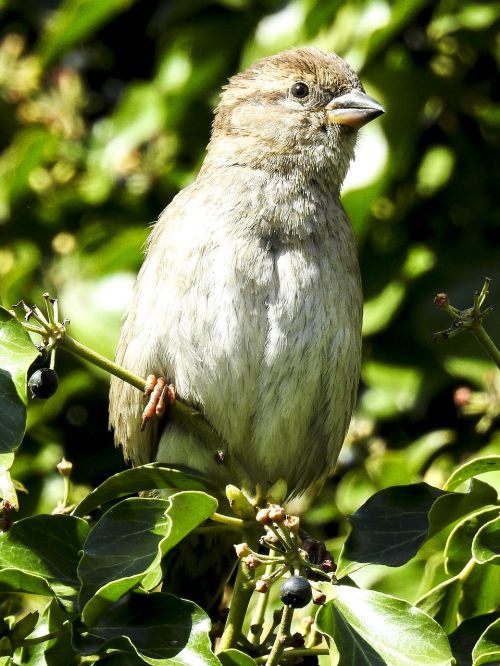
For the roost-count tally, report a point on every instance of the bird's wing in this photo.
(147, 333)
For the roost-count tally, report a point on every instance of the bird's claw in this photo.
(161, 394)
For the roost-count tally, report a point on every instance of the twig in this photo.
(242, 592)
(470, 319)
(281, 636)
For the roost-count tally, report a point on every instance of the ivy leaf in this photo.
(233, 657)
(154, 627)
(17, 353)
(472, 468)
(486, 544)
(14, 581)
(391, 526)
(458, 548)
(47, 547)
(57, 650)
(373, 629)
(153, 476)
(129, 541)
(24, 627)
(442, 603)
(466, 635)
(487, 649)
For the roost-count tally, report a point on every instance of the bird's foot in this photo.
(161, 394)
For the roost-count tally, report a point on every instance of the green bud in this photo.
(239, 503)
(277, 492)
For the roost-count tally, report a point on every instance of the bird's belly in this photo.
(267, 343)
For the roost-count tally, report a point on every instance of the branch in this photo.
(470, 319)
(54, 335)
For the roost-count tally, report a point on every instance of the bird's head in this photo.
(299, 109)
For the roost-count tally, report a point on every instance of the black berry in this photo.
(43, 383)
(296, 592)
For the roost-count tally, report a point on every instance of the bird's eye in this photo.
(300, 90)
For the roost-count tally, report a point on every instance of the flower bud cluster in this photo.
(289, 551)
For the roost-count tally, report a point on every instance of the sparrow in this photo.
(249, 299)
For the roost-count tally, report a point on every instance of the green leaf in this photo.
(233, 657)
(14, 581)
(29, 149)
(442, 603)
(472, 468)
(393, 524)
(458, 548)
(463, 639)
(481, 590)
(73, 21)
(7, 487)
(154, 476)
(57, 650)
(48, 547)
(17, 353)
(389, 528)
(486, 544)
(370, 628)
(24, 627)
(487, 649)
(452, 506)
(155, 627)
(129, 542)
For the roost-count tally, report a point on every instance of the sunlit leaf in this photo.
(394, 523)
(442, 603)
(472, 468)
(152, 626)
(486, 544)
(373, 629)
(466, 635)
(17, 353)
(129, 542)
(487, 649)
(233, 657)
(146, 477)
(47, 547)
(458, 548)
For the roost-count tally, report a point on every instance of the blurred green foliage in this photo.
(105, 111)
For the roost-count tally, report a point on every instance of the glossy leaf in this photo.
(146, 477)
(154, 627)
(486, 544)
(47, 547)
(458, 548)
(17, 353)
(473, 468)
(393, 524)
(129, 542)
(373, 629)
(15, 581)
(466, 635)
(487, 649)
(233, 657)
(442, 603)
(453, 506)
(57, 650)
(24, 627)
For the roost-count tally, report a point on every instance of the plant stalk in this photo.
(479, 332)
(241, 597)
(281, 636)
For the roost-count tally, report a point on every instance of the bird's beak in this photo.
(354, 109)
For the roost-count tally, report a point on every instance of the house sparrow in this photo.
(249, 299)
